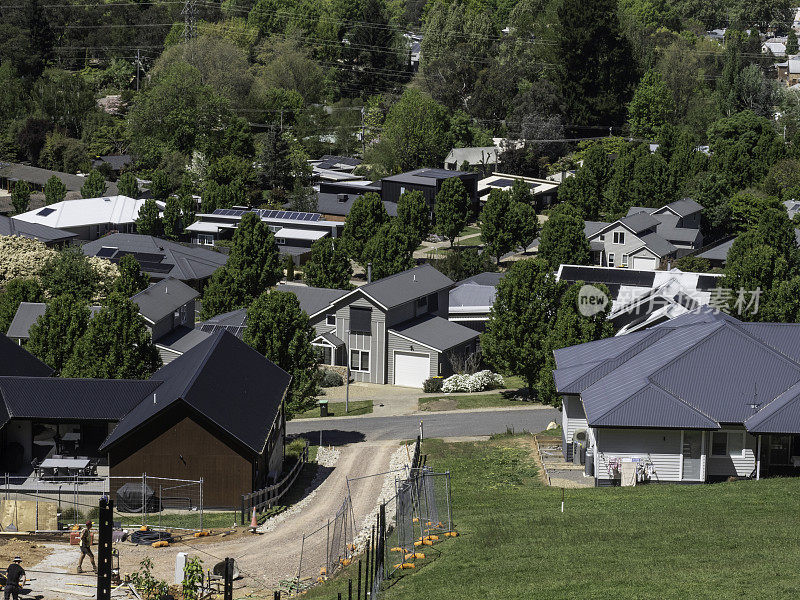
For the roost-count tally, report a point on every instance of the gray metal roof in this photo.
(718, 252)
(436, 332)
(639, 222)
(332, 339)
(39, 176)
(230, 385)
(27, 314)
(43, 233)
(182, 339)
(700, 370)
(406, 286)
(426, 176)
(312, 299)
(328, 203)
(590, 228)
(658, 245)
(160, 258)
(15, 360)
(472, 295)
(683, 207)
(486, 278)
(162, 299)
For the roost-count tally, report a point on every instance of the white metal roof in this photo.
(300, 234)
(86, 211)
(204, 227)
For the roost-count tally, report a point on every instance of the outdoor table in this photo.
(70, 464)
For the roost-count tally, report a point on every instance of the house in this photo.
(36, 178)
(89, 218)
(644, 298)
(700, 398)
(294, 231)
(332, 168)
(160, 258)
(429, 182)
(116, 162)
(545, 191)
(789, 70)
(334, 200)
(775, 46)
(482, 158)
(792, 207)
(49, 236)
(414, 46)
(628, 242)
(27, 314)
(717, 253)
(190, 420)
(471, 300)
(678, 223)
(391, 331)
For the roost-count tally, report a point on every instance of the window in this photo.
(624, 260)
(274, 228)
(360, 320)
(324, 354)
(281, 241)
(330, 319)
(422, 302)
(602, 237)
(205, 239)
(719, 445)
(359, 360)
(611, 260)
(619, 237)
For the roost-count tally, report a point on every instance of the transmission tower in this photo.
(189, 13)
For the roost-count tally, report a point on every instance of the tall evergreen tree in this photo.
(16, 291)
(55, 334)
(20, 197)
(94, 186)
(149, 220)
(279, 329)
(792, 46)
(496, 224)
(329, 266)
(132, 279)
(451, 208)
(69, 273)
(367, 215)
(54, 190)
(128, 186)
(253, 267)
(563, 240)
(389, 251)
(116, 345)
(596, 69)
(414, 216)
(172, 219)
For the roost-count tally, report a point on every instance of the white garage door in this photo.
(643, 263)
(411, 369)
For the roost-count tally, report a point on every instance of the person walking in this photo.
(86, 547)
(15, 579)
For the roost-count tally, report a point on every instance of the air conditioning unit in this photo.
(582, 436)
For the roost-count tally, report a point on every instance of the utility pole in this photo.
(138, 67)
(189, 13)
(363, 139)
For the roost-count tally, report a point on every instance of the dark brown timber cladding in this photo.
(226, 474)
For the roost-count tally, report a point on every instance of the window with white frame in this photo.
(624, 260)
(602, 237)
(611, 259)
(727, 443)
(619, 237)
(324, 353)
(281, 241)
(359, 360)
(330, 319)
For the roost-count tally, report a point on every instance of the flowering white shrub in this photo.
(477, 382)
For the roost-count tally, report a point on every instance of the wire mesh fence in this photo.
(53, 503)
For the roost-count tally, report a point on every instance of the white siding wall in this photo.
(573, 417)
(737, 464)
(663, 447)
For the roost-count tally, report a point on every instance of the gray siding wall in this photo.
(572, 416)
(375, 343)
(397, 344)
(662, 446)
(632, 242)
(320, 325)
(161, 328)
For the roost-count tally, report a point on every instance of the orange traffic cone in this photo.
(254, 521)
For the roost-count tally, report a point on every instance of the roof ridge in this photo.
(366, 285)
(771, 402)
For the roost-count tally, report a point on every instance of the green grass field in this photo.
(336, 409)
(727, 540)
(464, 401)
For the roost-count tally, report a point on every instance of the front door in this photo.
(692, 452)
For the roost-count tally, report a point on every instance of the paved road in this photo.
(344, 430)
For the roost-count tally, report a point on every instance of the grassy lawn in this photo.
(658, 541)
(469, 230)
(514, 382)
(336, 409)
(473, 241)
(464, 401)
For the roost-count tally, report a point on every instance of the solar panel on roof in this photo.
(503, 182)
(156, 267)
(106, 252)
(148, 257)
(46, 211)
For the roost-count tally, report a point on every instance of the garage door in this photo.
(643, 263)
(411, 369)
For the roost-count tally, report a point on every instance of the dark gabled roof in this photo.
(590, 228)
(782, 415)
(15, 360)
(328, 203)
(639, 222)
(27, 314)
(718, 252)
(435, 332)
(39, 176)
(683, 207)
(313, 299)
(658, 245)
(332, 339)
(426, 176)
(486, 278)
(160, 258)
(43, 233)
(406, 286)
(162, 299)
(222, 379)
(653, 407)
(234, 322)
(71, 399)
(182, 339)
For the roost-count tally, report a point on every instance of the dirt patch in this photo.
(440, 404)
(30, 552)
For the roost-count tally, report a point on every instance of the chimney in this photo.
(154, 397)
(415, 277)
(369, 272)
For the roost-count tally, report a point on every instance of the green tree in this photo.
(20, 197)
(651, 107)
(54, 190)
(515, 340)
(693, 264)
(596, 70)
(414, 216)
(279, 329)
(61, 153)
(160, 186)
(127, 185)
(277, 171)
(69, 273)
(288, 263)
(451, 208)
(585, 189)
(571, 328)
(389, 251)
(116, 345)
(415, 133)
(149, 220)
(563, 240)
(172, 219)
(329, 266)
(791, 42)
(496, 224)
(524, 224)
(94, 186)
(132, 279)
(746, 207)
(55, 334)
(367, 215)
(782, 304)
(463, 262)
(15, 292)
(253, 267)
